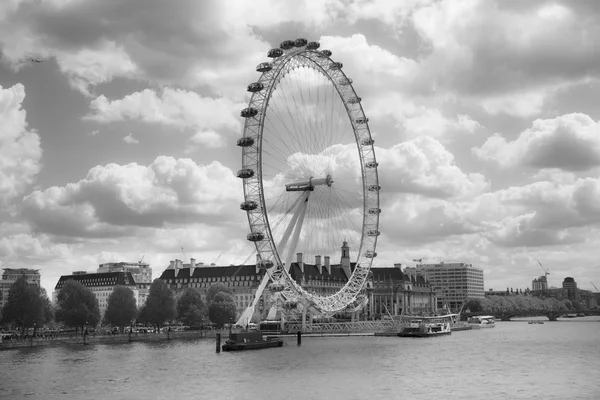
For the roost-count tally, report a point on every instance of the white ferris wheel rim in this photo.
(289, 59)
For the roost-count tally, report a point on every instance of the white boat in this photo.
(417, 326)
(481, 321)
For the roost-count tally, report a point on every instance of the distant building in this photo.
(141, 272)
(390, 291)
(452, 282)
(10, 275)
(540, 283)
(570, 286)
(102, 285)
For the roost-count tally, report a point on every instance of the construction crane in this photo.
(141, 259)
(544, 269)
(595, 287)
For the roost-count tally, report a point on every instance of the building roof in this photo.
(98, 280)
(212, 271)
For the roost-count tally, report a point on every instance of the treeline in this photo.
(77, 307)
(518, 303)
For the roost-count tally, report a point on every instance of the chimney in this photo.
(192, 266)
(345, 260)
(318, 264)
(398, 265)
(171, 265)
(327, 264)
(299, 261)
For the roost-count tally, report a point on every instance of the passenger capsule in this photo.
(372, 164)
(255, 236)
(336, 65)
(354, 100)
(249, 112)
(265, 264)
(367, 142)
(245, 173)
(249, 205)
(255, 87)
(374, 188)
(374, 211)
(370, 254)
(287, 44)
(313, 45)
(373, 232)
(326, 53)
(245, 141)
(345, 81)
(264, 67)
(290, 304)
(361, 120)
(300, 42)
(274, 53)
(276, 287)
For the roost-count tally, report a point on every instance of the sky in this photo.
(119, 121)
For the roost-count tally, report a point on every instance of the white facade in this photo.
(453, 282)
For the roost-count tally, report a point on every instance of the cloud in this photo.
(115, 200)
(510, 56)
(129, 139)
(20, 149)
(570, 142)
(424, 166)
(172, 107)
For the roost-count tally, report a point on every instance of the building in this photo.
(390, 291)
(102, 285)
(141, 272)
(570, 286)
(452, 282)
(10, 275)
(540, 283)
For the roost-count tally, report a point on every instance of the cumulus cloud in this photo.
(510, 56)
(20, 149)
(195, 43)
(114, 200)
(424, 166)
(172, 107)
(569, 142)
(129, 139)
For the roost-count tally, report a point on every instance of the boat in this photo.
(536, 321)
(253, 340)
(420, 326)
(482, 321)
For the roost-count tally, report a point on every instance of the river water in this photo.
(515, 360)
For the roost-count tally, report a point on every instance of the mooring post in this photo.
(299, 338)
(218, 343)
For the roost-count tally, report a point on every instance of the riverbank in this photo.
(102, 339)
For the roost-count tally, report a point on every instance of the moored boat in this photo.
(250, 341)
(425, 326)
(482, 321)
(536, 321)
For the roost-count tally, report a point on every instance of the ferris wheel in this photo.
(310, 178)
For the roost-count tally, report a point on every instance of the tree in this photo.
(160, 305)
(121, 307)
(222, 309)
(191, 309)
(25, 305)
(214, 289)
(77, 306)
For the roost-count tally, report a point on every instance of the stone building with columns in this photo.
(390, 290)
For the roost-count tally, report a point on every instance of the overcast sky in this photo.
(121, 142)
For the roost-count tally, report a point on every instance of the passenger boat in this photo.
(249, 341)
(419, 326)
(482, 321)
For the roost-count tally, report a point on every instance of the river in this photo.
(514, 360)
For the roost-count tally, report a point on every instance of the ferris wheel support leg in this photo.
(302, 212)
(303, 319)
(290, 227)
